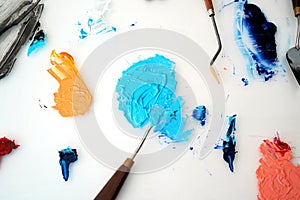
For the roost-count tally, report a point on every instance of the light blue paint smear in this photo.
(39, 41)
(146, 95)
(94, 26)
(200, 113)
(255, 37)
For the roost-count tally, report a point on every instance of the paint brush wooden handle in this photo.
(114, 185)
(209, 7)
(296, 6)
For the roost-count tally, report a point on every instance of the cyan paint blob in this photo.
(255, 37)
(66, 157)
(39, 40)
(229, 143)
(146, 95)
(200, 113)
(94, 26)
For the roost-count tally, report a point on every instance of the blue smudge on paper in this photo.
(229, 143)
(66, 157)
(147, 96)
(199, 113)
(255, 37)
(245, 81)
(39, 40)
(94, 26)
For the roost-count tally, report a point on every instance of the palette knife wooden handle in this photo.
(209, 7)
(296, 6)
(114, 185)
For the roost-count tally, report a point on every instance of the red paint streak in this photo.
(277, 177)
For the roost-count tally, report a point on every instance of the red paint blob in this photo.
(7, 145)
(278, 178)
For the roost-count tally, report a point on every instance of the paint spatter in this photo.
(6, 146)
(66, 157)
(73, 97)
(200, 113)
(255, 37)
(146, 95)
(229, 143)
(245, 81)
(278, 178)
(94, 26)
(39, 41)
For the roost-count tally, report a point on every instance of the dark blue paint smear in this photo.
(245, 81)
(66, 157)
(229, 143)
(199, 113)
(256, 39)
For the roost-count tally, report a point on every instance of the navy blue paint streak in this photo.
(67, 156)
(261, 34)
(229, 143)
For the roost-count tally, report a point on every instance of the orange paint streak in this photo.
(73, 97)
(277, 177)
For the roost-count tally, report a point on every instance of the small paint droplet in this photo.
(191, 148)
(245, 81)
(225, 68)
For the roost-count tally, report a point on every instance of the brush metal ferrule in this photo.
(211, 12)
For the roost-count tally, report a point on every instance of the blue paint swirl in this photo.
(146, 95)
(38, 41)
(66, 157)
(255, 37)
(199, 113)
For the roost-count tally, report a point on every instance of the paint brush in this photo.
(211, 14)
(293, 55)
(113, 186)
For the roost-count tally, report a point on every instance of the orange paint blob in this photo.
(278, 178)
(73, 97)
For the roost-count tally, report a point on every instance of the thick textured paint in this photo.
(73, 97)
(7, 145)
(255, 37)
(199, 113)
(39, 40)
(16, 36)
(146, 95)
(66, 157)
(278, 178)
